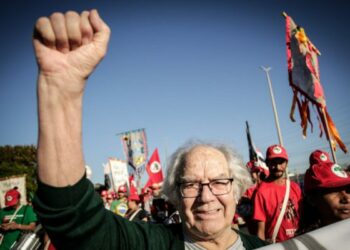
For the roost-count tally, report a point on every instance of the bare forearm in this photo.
(261, 230)
(60, 154)
(30, 227)
(68, 46)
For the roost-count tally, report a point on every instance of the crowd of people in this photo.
(326, 200)
(325, 197)
(208, 195)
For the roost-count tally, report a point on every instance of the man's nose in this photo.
(345, 196)
(206, 194)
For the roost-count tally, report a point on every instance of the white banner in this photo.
(119, 173)
(331, 237)
(9, 183)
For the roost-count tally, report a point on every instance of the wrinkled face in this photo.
(207, 216)
(277, 167)
(334, 204)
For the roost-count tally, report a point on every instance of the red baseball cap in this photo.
(134, 197)
(325, 175)
(12, 197)
(122, 189)
(276, 151)
(104, 193)
(319, 156)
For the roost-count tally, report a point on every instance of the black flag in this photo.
(252, 152)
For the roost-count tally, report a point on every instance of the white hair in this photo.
(237, 170)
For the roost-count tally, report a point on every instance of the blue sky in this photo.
(182, 70)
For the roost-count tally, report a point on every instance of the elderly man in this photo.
(204, 181)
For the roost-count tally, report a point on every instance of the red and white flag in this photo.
(154, 170)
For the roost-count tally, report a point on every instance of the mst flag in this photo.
(304, 79)
(154, 170)
(135, 147)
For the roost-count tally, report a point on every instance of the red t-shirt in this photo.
(250, 191)
(268, 202)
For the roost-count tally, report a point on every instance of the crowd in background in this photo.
(325, 199)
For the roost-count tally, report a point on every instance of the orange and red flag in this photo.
(304, 79)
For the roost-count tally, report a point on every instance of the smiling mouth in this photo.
(207, 214)
(345, 211)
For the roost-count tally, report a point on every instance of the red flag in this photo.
(154, 170)
(304, 79)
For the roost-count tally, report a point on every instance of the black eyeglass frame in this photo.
(200, 189)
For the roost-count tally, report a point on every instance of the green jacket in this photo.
(76, 219)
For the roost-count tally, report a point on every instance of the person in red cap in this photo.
(319, 156)
(269, 198)
(327, 193)
(15, 218)
(135, 212)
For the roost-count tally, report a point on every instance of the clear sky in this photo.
(182, 70)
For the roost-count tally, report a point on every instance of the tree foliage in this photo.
(19, 160)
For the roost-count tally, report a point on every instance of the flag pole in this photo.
(286, 195)
(111, 173)
(273, 104)
(328, 134)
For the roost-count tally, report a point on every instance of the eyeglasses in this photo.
(217, 187)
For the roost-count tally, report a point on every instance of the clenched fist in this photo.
(70, 45)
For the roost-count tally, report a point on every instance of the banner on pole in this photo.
(135, 147)
(119, 173)
(304, 79)
(9, 183)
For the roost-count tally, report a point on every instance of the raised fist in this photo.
(69, 46)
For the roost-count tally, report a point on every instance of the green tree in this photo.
(19, 160)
